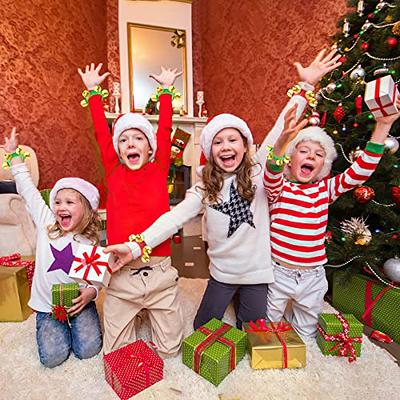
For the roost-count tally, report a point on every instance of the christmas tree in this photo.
(364, 224)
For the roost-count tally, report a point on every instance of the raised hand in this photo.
(291, 129)
(122, 255)
(321, 65)
(166, 77)
(91, 77)
(11, 143)
(383, 125)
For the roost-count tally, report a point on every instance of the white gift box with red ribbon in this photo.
(380, 96)
(90, 265)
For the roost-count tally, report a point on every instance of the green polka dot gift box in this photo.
(340, 335)
(132, 368)
(62, 295)
(372, 303)
(214, 350)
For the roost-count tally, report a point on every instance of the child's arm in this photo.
(166, 79)
(87, 294)
(364, 166)
(276, 159)
(163, 228)
(91, 79)
(309, 77)
(35, 204)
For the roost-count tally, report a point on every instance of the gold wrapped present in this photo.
(274, 345)
(14, 294)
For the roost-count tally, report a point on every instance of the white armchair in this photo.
(17, 230)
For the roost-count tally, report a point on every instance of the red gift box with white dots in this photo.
(132, 368)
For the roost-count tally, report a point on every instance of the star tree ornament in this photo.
(364, 194)
(357, 230)
(391, 269)
(391, 144)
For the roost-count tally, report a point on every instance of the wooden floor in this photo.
(190, 259)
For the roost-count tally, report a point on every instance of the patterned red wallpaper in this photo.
(243, 52)
(42, 43)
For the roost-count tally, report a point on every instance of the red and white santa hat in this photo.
(85, 188)
(213, 127)
(216, 124)
(134, 121)
(318, 135)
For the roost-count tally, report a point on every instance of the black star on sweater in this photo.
(238, 210)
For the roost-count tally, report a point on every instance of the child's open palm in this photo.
(291, 128)
(319, 67)
(91, 77)
(11, 143)
(166, 77)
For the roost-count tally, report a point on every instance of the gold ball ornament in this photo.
(364, 238)
(335, 132)
(396, 29)
(388, 19)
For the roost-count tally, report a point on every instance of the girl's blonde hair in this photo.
(89, 226)
(213, 178)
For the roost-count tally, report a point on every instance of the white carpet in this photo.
(373, 376)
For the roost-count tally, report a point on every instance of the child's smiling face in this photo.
(228, 149)
(306, 162)
(69, 209)
(134, 148)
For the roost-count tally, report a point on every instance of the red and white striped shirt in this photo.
(299, 212)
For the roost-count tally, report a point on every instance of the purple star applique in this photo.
(62, 258)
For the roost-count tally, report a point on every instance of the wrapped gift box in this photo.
(15, 260)
(380, 96)
(371, 302)
(14, 294)
(90, 265)
(62, 295)
(274, 345)
(340, 335)
(214, 350)
(132, 368)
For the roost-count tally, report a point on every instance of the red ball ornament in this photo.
(395, 190)
(355, 36)
(355, 125)
(391, 42)
(342, 59)
(364, 46)
(394, 237)
(371, 15)
(364, 194)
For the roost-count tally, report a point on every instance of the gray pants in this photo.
(251, 304)
(306, 290)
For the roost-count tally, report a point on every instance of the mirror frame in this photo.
(132, 25)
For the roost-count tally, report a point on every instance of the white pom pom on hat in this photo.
(318, 135)
(134, 121)
(85, 188)
(218, 123)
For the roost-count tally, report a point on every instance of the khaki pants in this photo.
(144, 286)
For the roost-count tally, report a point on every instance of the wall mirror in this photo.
(149, 47)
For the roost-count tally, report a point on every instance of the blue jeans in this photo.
(55, 339)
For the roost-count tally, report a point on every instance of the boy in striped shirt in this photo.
(299, 193)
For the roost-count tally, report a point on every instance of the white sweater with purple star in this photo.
(53, 257)
(237, 231)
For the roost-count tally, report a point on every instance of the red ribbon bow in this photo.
(60, 313)
(214, 336)
(261, 326)
(89, 262)
(345, 346)
(143, 364)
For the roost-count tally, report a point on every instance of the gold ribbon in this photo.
(146, 250)
(160, 90)
(308, 95)
(86, 94)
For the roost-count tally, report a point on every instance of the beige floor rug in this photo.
(373, 376)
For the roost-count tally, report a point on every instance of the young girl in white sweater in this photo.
(234, 203)
(70, 220)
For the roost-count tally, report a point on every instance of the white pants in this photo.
(305, 289)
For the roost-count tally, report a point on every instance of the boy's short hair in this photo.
(134, 121)
(318, 135)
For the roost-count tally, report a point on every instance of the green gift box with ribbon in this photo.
(214, 350)
(62, 295)
(340, 335)
(371, 302)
